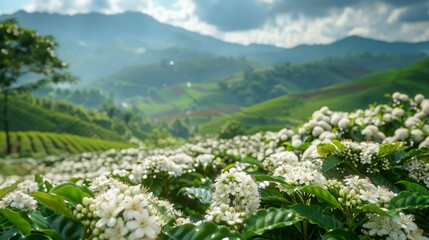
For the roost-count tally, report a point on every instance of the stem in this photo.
(6, 121)
(349, 218)
(84, 232)
(304, 226)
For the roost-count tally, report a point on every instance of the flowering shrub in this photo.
(341, 175)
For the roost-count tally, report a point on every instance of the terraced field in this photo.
(293, 109)
(25, 115)
(37, 144)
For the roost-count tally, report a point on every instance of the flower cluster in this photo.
(20, 196)
(418, 170)
(155, 165)
(278, 159)
(235, 197)
(299, 175)
(363, 153)
(357, 192)
(120, 211)
(400, 226)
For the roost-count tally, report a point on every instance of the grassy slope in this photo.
(37, 144)
(204, 101)
(290, 110)
(25, 116)
(198, 102)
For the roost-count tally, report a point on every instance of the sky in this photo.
(282, 23)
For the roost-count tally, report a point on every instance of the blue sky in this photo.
(284, 23)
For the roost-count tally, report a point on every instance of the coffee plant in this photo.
(341, 175)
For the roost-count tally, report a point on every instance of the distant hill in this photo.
(202, 102)
(97, 45)
(139, 80)
(293, 109)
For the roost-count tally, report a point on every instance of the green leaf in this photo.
(154, 185)
(72, 192)
(252, 161)
(274, 179)
(389, 148)
(5, 224)
(322, 193)
(303, 146)
(5, 190)
(381, 178)
(66, 227)
(369, 209)
(339, 145)
(316, 215)
(56, 203)
(11, 235)
(40, 223)
(325, 149)
(340, 234)
(330, 163)
(272, 194)
(268, 219)
(205, 231)
(18, 221)
(203, 194)
(36, 236)
(415, 187)
(409, 200)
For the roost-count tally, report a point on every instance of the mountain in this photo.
(98, 45)
(293, 109)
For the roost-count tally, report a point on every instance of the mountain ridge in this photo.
(97, 45)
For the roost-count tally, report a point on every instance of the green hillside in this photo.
(293, 109)
(139, 80)
(196, 102)
(29, 113)
(200, 102)
(258, 86)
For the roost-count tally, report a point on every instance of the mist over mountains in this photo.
(98, 45)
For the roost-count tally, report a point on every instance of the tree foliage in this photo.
(25, 53)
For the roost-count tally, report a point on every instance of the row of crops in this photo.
(24, 117)
(37, 144)
(341, 175)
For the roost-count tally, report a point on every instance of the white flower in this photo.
(419, 98)
(401, 133)
(398, 112)
(424, 105)
(343, 123)
(235, 197)
(317, 130)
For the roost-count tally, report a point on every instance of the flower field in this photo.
(341, 175)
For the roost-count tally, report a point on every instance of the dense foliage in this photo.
(357, 175)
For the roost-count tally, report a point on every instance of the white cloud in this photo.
(372, 19)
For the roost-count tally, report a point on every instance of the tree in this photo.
(178, 129)
(231, 129)
(23, 52)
